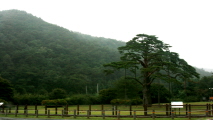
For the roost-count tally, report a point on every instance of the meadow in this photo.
(196, 111)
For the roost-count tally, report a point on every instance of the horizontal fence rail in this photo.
(118, 111)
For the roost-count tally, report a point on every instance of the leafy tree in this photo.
(126, 88)
(6, 90)
(204, 87)
(106, 95)
(154, 60)
(159, 93)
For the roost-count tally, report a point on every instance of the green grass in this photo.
(159, 110)
(100, 118)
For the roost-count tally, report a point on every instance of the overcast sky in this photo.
(186, 25)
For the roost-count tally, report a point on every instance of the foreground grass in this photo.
(83, 111)
(99, 118)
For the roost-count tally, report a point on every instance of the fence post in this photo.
(112, 109)
(36, 111)
(186, 109)
(77, 109)
(67, 109)
(88, 113)
(74, 113)
(17, 108)
(26, 112)
(25, 108)
(207, 112)
(134, 114)
(167, 109)
(103, 114)
(153, 114)
(56, 109)
(89, 109)
(145, 109)
(212, 110)
(35, 108)
(130, 109)
(118, 114)
(172, 114)
(102, 107)
(48, 114)
(16, 112)
(62, 113)
(189, 111)
(207, 106)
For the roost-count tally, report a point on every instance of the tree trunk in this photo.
(147, 95)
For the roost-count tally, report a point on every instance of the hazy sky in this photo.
(186, 25)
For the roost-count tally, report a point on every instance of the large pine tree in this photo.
(154, 60)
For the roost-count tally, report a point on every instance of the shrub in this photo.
(54, 102)
(29, 99)
(58, 93)
(106, 95)
(81, 99)
(191, 99)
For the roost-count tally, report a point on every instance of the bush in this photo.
(191, 99)
(29, 99)
(58, 93)
(81, 99)
(106, 95)
(54, 102)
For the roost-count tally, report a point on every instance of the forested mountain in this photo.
(36, 55)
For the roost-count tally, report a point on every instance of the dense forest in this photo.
(37, 57)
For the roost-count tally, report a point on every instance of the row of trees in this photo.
(123, 89)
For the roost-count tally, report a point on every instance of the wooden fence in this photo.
(118, 111)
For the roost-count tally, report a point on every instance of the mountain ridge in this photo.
(39, 51)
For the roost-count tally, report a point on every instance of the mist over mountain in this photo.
(38, 56)
(208, 70)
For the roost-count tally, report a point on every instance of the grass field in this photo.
(96, 110)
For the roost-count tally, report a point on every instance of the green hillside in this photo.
(38, 55)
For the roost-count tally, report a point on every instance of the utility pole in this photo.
(86, 89)
(97, 89)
